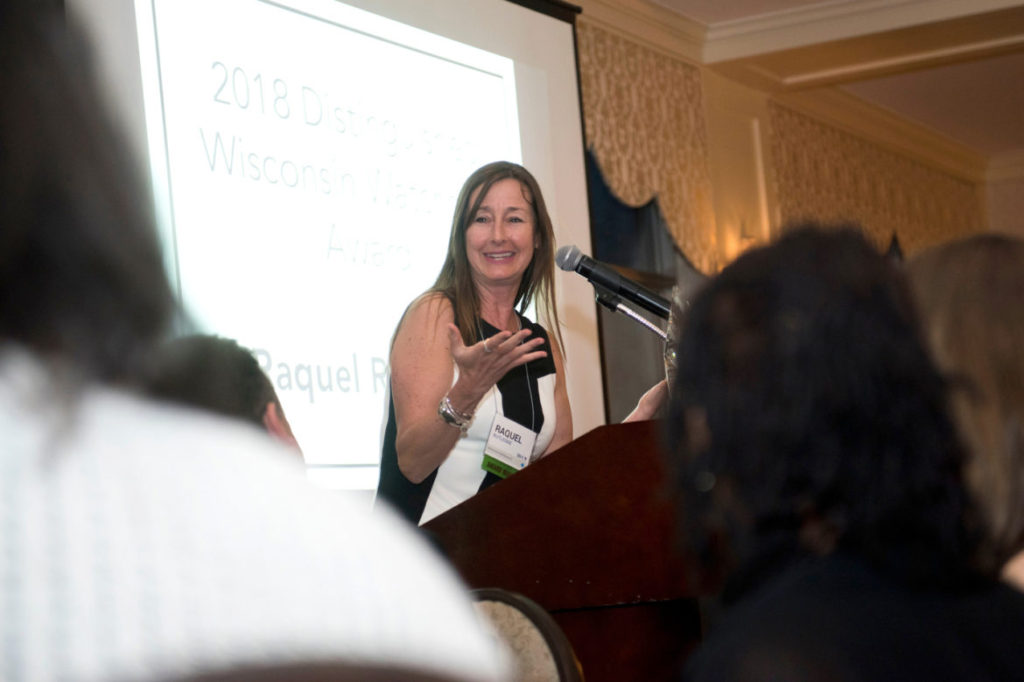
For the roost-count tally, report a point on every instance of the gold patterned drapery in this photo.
(644, 119)
(825, 174)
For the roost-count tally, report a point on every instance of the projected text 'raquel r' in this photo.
(307, 155)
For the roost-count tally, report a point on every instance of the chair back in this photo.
(540, 650)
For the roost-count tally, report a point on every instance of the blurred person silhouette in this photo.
(970, 295)
(139, 541)
(217, 374)
(819, 474)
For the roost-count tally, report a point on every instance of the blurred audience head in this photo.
(970, 295)
(807, 416)
(217, 374)
(81, 270)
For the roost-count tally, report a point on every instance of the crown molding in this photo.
(648, 24)
(825, 22)
(912, 60)
(873, 57)
(880, 126)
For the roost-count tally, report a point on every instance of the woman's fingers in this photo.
(507, 341)
(495, 355)
(517, 349)
(495, 343)
(504, 343)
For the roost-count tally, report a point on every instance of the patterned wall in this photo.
(826, 174)
(644, 118)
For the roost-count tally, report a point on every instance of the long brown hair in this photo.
(455, 280)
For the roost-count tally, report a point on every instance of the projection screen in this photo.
(304, 158)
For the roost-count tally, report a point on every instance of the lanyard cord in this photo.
(529, 386)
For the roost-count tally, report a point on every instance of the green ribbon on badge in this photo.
(497, 467)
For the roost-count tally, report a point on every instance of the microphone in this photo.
(601, 275)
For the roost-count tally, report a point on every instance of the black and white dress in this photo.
(526, 394)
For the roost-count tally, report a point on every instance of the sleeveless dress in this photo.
(526, 395)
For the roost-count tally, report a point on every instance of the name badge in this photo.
(509, 447)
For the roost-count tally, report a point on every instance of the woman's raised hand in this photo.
(487, 361)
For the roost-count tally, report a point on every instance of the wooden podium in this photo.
(588, 533)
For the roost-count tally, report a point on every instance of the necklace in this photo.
(526, 371)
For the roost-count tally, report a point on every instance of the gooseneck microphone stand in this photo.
(614, 303)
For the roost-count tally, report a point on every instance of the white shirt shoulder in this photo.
(146, 541)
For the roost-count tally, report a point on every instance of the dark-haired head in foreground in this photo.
(217, 374)
(807, 412)
(81, 272)
(818, 467)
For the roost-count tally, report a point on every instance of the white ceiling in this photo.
(954, 66)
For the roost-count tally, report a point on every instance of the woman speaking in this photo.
(477, 390)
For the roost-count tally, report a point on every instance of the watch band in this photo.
(450, 415)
